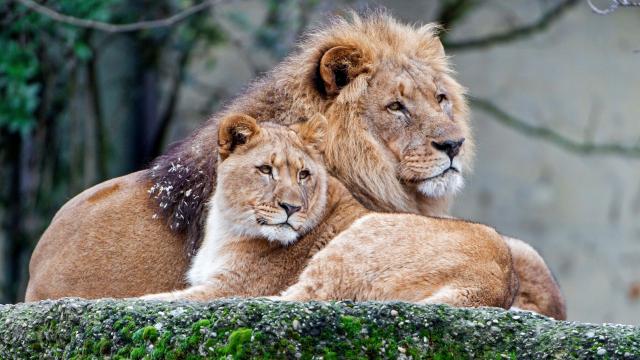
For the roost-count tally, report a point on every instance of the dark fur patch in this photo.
(237, 138)
(183, 181)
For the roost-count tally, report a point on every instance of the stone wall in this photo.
(243, 329)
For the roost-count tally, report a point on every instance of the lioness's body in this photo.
(255, 245)
(374, 257)
(259, 267)
(411, 258)
(353, 63)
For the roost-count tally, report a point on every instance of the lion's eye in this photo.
(396, 106)
(441, 97)
(303, 174)
(265, 169)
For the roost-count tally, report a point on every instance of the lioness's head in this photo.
(398, 122)
(271, 179)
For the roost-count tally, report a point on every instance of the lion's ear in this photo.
(313, 131)
(431, 44)
(339, 66)
(437, 44)
(235, 130)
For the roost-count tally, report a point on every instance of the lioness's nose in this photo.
(289, 209)
(450, 147)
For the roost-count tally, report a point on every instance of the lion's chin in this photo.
(284, 235)
(449, 183)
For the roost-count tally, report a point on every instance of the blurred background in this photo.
(555, 93)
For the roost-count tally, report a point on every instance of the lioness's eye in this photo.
(395, 106)
(265, 169)
(441, 97)
(304, 174)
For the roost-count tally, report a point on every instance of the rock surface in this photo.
(73, 328)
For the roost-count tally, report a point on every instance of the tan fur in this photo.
(411, 258)
(379, 257)
(538, 291)
(376, 50)
(76, 257)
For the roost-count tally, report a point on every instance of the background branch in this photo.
(552, 136)
(451, 12)
(160, 134)
(517, 33)
(118, 28)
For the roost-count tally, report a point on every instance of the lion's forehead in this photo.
(406, 80)
(281, 137)
(281, 150)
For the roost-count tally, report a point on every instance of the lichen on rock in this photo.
(239, 329)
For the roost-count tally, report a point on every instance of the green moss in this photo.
(330, 355)
(123, 353)
(173, 355)
(237, 342)
(138, 353)
(36, 346)
(150, 333)
(125, 326)
(351, 325)
(193, 341)
(204, 323)
(162, 345)
(102, 347)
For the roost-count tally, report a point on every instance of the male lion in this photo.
(402, 146)
(262, 228)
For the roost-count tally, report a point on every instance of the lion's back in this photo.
(101, 241)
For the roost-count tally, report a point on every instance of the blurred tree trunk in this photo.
(13, 224)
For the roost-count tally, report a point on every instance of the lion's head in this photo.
(271, 179)
(398, 122)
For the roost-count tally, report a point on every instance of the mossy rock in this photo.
(239, 329)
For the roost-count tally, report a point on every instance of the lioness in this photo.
(393, 149)
(272, 194)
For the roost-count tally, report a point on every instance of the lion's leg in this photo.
(219, 285)
(458, 297)
(310, 286)
(186, 294)
(195, 293)
(300, 292)
(538, 291)
(325, 278)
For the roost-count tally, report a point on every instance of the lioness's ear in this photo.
(313, 131)
(339, 66)
(235, 130)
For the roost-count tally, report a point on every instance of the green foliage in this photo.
(27, 39)
(19, 94)
(31, 39)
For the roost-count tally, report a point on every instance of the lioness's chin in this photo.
(448, 183)
(284, 235)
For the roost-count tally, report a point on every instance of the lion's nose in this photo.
(289, 209)
(450, 147)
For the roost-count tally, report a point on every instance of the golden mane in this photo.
(184, 177)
